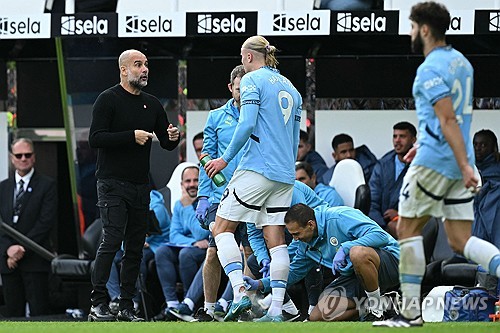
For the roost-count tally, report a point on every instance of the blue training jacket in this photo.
(337, 226)
(217, 135)
(157, 204)
(384, 188)
(185, 228)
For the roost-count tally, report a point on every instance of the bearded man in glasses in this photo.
(28, 203)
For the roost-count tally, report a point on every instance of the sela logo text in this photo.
(9, 26)
(455, 23)
(208, 24)
(92, 26)
(494, 24)
(134, 24)
(349, 22)
(282, 22)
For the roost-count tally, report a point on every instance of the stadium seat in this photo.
(69, 267)
(349, 181)
(165, 192)
(444, 267)
(76, 271)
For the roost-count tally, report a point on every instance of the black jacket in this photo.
(37, 218)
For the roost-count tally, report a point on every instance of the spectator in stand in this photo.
(304, 173)
(343, 147)
(387, 178)
(487, 202)
(307, 154)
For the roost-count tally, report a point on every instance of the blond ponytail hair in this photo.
(261, 45)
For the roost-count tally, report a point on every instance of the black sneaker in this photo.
(371, 316)
(400, 321)
(164, 315)
(290, 317)
(393, 308)
(128, 315)
(101, 312)
(203, 316)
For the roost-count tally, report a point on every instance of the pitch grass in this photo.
(178, 327)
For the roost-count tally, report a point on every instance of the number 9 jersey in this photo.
(272, 106)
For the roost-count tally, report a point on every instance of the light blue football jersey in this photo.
(270, 120)
(445, 72)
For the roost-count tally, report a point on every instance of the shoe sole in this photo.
(196, 320)
(392, 324)
(182, 317)
(268, 320)
(292, 318)
(94, 318)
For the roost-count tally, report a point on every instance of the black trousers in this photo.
(124, 209)
(20, 287)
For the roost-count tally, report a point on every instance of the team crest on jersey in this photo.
(334, 241)
(229, 120)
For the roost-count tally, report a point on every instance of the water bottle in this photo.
(219, 178)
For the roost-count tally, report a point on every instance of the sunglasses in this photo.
(19, 156)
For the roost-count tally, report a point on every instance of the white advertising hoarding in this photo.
(296, 23)
(27, 26)
(153, 24)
